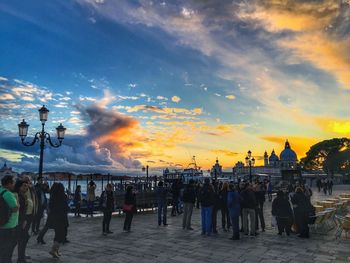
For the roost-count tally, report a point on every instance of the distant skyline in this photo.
(155, 82)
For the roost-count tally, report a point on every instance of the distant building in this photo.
(283, 167)
(5, 170)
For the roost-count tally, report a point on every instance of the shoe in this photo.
(54, 254)
(234, 238)
(109, 232)
(104, 233)
(165, 224)
(41, 241)
(190, 228)
(27, 257)
(263, 230)
(66, 241)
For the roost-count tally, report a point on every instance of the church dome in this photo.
(273, 157)
(288, 154)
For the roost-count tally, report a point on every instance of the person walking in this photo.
(189, 199)
(216, 206)
(32, 204)
(107, 207)
(207, 202)
(91, 196)
(77, 201)
(259, 210)
(40, 189)
(57, 217)
(225, 216)
(234, 209)
(248, 209)
(162, 203)
(129, 207)
(330, 186)
(283, 212)
(9, 214)
(21, 187)
(175, 190)
(302, 207)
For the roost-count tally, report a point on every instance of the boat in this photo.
(191, 172)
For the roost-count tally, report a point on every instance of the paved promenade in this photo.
(149, 243)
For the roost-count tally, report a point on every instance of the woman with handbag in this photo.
(129, 207)
(107, 207)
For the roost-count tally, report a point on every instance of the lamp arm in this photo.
(48, 139)
(35, 139)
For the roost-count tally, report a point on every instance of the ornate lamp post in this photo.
(145, 169)
(41, 136)
(250, 161)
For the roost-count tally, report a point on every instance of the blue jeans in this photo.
(235, 225)
(162, 209)
(206, 214)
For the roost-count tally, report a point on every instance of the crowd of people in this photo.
(241, 206)
(326, 184)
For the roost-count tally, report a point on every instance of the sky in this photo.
(154, 83)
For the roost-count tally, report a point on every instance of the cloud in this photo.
(335, 125)
(230, 97)
(225, 152)
(175, 99)
(6, 96)
(3, 78)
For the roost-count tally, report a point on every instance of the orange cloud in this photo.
(337, 126)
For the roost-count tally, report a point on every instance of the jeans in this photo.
(259, 216)
(43, 232)
(128, 220)
(23, 238)
(8, 241)
(107, 215)
(214, 219)
(283, 224)
(90, 208)
(206, 214)
(37, 218)
(235, 225)
(186, 220)
(162, 209)
(251, 213)
(225, 217)
(175, 208)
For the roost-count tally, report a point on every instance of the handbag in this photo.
(127, 208)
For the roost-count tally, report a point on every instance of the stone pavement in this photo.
(149, 243)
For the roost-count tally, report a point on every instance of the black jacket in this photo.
(189, 194)
(206, 195)
(248, 199)
(281, 207)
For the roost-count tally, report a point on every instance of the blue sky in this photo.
(211, 79)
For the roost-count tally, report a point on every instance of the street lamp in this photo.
(145, 169)
(250, 161)
(41, 136)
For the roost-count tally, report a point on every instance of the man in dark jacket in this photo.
(302, 208)
(259, 210)
(189, 198)
(175, 190)
(162, 201)
(40, 189)
(207, 201)
(282, 210)
(248, 209)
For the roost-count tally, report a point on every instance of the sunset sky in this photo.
(155, 82)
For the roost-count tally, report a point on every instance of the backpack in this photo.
(5, 211)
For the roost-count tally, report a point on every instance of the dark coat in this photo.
(206, 196)
(234, 203)
(107, 201)
(58, 211)
(281, 207)
(162, 194)
(130, 199)
(248, 199)
(189, 194)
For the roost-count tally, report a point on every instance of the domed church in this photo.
(288, 158)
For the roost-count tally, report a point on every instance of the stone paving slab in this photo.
(149, 243)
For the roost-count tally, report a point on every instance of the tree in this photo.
(331, 156)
